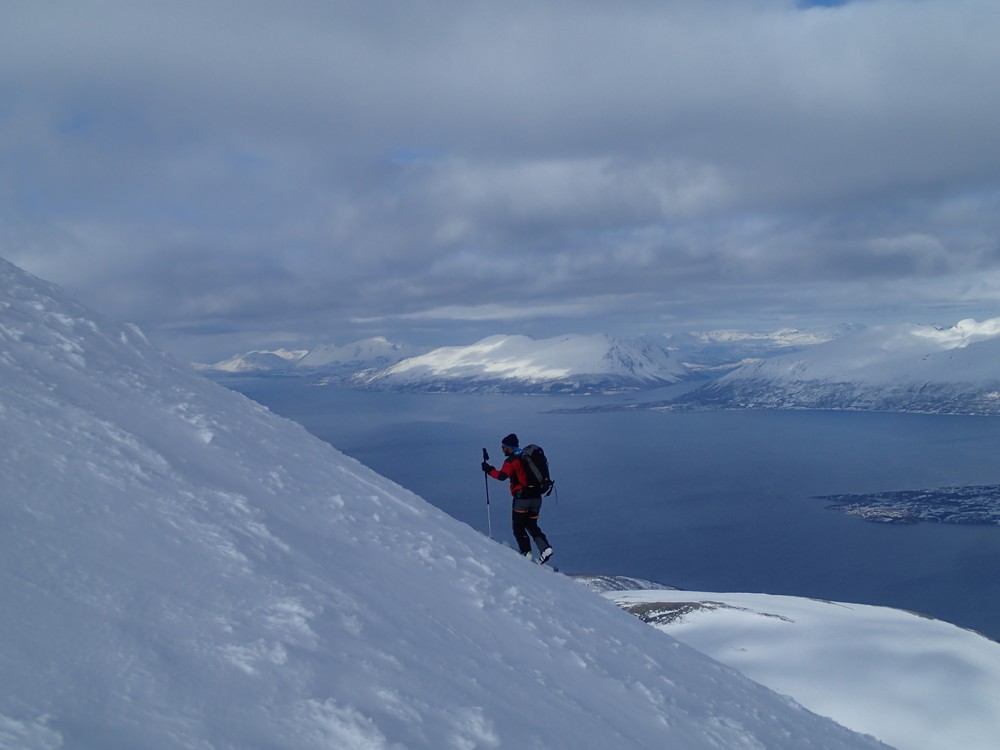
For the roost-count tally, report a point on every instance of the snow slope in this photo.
(953, 369)
(180, 568)
(917, 683)
(577, 363)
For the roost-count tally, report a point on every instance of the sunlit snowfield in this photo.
(699, 500)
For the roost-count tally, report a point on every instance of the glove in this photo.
(486, 467)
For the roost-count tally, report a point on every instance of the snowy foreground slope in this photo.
(951, 370)
(179, 568)
(914, 682)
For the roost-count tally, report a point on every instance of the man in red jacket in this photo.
(527, 500)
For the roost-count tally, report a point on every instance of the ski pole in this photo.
(489, 519)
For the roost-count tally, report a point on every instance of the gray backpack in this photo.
(536, 466)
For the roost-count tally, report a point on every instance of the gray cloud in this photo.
(229, 172)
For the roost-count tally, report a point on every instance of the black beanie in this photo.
(510, 441)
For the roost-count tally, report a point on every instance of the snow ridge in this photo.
(181, 568)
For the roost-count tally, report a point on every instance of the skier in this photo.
(527, 500)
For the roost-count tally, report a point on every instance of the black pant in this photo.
(525, 521)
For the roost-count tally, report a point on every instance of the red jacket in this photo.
(512, 469)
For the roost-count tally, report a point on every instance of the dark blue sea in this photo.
(712, 500)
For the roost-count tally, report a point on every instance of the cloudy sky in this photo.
(237, 174)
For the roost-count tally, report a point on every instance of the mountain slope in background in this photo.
(727, 349)
(331, 362)
(952, 370)
(566, 364)
(373, 353)
(630, 363)
(181, 568)
(258, 361)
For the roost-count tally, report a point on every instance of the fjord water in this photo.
(711, 501)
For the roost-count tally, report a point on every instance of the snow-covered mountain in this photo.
(574, 364)
(180, 568)
(921, 368)
(518, 364)
(727, 349)
(377, 352)
(874, 661)
(277, 360)
(329, 361)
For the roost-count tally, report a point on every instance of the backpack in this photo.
(536, 466)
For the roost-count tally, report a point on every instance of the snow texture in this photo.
(180, 568)
(914, 682)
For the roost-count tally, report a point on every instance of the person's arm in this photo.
(491, 471)
(504, 473)
(517, 473)
(509, 470)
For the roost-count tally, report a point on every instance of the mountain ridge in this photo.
(502, 363)
(567, 364)
(906, 368)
